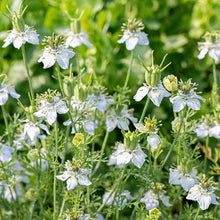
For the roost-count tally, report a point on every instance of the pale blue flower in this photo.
(6, 153)
(4, 91)
(18, 38)
(151, 200)
(123, 156)
(120, 200)
(191, 99)
(213, 50)
(154, 93)
(186, 180)
(49, 110)
(120, 120)
(74, 177)
(77, 39)
(204, 197)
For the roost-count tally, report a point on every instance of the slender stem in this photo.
(113, 190)
(144, 111)
(206, 149)
(60, 81)
(174, 142)
(197, 213)
(77, 62)
(178, 153)
(28, 73)
(6, 125)
(149, 156)
(215, 83)
(102, 151)
(54, 180)
(129, 69)
(62, 207)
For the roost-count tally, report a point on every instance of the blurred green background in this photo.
(173, 27)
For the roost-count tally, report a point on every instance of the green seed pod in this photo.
(171, 83)
(68, 86)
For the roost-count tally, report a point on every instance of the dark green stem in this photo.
(60, 81)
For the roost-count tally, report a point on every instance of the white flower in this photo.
(120, 120)
(99, 102)
(120, 200)
(204, 197)
(151, 200)
(87, 217)
(60, 54)
(6, 153)
(155, 93)
(213, 50)
(74, 177)
(32, 130)
(8, 192)
(186, 180)
(4, 91)
(191, 99)
(18, 38)
(123, 156)
(133, 38)
(212, 130)
(49, 110)
(77, 39)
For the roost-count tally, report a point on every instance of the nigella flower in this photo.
(7, 191)
(149, 127)
(186, 180)
(88, 217)
(99, 102)
(155, 93)
(4, 91)
(74, 177)
(204, 129)
(120, 200)
(6, 153)
(32, 130)
(77, 39)
(186, 96)
(56, 51)
(120, 119)
(211, 46)
(204, 196)
(132, 34)
(50, 109)
(21, 37)
(123, 156)
(152, 201)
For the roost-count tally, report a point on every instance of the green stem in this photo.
(113, 190)
(6, 125)
(144, 110)
(174, 142)
(62, 207)
(149, 156)
(129, 69)
(102, 151)
(178, 154)
(215, 83)
(60, 81)
(54, 180)
(206, 149)
(77, 62)
(28, 74)
(197, 213)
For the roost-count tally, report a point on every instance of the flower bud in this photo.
(154, 213)
(78, 139)
(171, 83)
(68, 86)
(33, 154)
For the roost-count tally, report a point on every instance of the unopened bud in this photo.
(171, 83)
